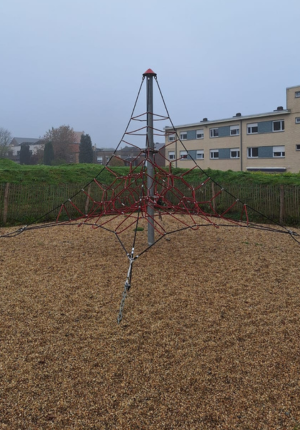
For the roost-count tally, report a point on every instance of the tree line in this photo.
(58, 147)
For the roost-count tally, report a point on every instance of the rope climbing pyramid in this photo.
(160, 199)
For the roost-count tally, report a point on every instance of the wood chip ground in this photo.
(209, 337)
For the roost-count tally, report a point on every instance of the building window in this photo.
(234, 153)
(252, 152)
(214, 154)
(200, 134)
(99, 160)
(297, 94)
(183, 135)
(297, 120)
(171, 137)
(200, 154)
(183, 154)
(171, 155)
(298, 147)
(252, 128)
(214, 132)
(278, 125)
(278, 151)
(234, 130)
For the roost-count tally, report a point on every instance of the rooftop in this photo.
(276, 112)
(20, 140)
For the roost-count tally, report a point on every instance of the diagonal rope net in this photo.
(188, 199)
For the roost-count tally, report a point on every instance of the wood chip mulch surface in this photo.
(209, 337)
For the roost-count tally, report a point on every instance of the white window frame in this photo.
(183, 135)
(250, 128)
(281, 125)
(171, 155)
(200, 132)
(297, 94)
(214, 132)
(250, 151)
(171, 137)
(200, 154)
(297, 146)
(234, 130)
(99, 159)
(183, 155)
(279, 150)
(235, 150)
(212, 152)
(297, 120)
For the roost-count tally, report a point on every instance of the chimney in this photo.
(279, 108)
(238, 114)
(204, 120)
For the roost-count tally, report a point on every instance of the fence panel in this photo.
(21, 203)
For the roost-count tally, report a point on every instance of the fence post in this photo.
(87, 200)
(281, 213)
(5, 206)
(213, 194)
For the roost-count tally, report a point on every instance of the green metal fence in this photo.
(21, 203)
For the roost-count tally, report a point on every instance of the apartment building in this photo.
(268, 142)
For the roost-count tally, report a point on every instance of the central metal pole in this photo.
(149, 152)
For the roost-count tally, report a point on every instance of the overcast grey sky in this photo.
(80, 62)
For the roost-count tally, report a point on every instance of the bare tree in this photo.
(62, 138)
(5, 139)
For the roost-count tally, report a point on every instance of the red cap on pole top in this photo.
(149, 72)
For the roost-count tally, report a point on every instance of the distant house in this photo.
(15, 146)
(36, 144)
(102, 155)
(129, 154)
